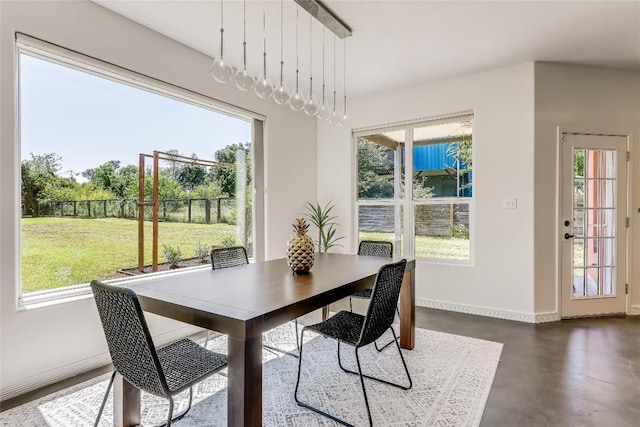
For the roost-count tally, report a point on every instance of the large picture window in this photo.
(87, 143)
(427, 210)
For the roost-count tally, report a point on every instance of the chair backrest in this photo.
(228, 257)
(375, 248)
(383, 303)
(132, 350)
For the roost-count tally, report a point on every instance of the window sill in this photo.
(49, 297)
(447, 262)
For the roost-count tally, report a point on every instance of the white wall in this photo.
(581, 99)
(41, 345)
(500, 283)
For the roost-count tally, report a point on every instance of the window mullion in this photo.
(409, 238)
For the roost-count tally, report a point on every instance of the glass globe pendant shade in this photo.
(297, 101)
(324, 112)
(221, 72)
(244, 81)
(264, 88)
(311, 106)
(334, 118)
(345, 121)
(281, 94)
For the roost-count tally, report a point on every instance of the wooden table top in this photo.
(247, 300)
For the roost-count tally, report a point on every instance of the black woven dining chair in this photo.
(358, 331)
(234, 257)
(163, 372)
(228, 257)
(377, 248)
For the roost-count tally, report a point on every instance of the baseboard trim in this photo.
(28, 384)
(634, 310)
(517, 316)
(550, 316)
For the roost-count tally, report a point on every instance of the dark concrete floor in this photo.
(583, 372)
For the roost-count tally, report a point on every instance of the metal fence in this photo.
(201, 211)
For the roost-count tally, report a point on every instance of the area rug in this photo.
(452, 377)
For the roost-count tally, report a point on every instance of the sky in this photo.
(90, 120)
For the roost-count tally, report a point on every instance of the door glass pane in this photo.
(591, 281)
(381, 223)
(579, 186)
(607, 281)
(607, 164)
(606, 193)
(608, 223)
(579, 222)
(578, 253)
(579, 289)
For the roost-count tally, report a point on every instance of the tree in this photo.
(191, 175)
(37, 173)
(462, 153)
(226, 177)
(374, 166)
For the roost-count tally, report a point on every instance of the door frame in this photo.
(559, 239)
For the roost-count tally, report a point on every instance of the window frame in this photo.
(40, 49)
(407, 201)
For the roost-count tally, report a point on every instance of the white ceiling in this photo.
(402, 43)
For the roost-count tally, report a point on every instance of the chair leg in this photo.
(350, 305)
(402, 358)
(306, 405)
(364, 390)
(169, 417)
(395, 339)
(104, 399)
(390, 342)
(275, 350)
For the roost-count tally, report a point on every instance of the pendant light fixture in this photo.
(334, 117)
(220, 71)
(244, 81)
(324, 111)
(345, 121)
(264, 88)
(311, 106)
(281, 93)
(297, 99)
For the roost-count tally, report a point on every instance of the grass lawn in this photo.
(430, 247)
(59, 252)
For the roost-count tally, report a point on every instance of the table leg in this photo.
(408, 310)
(126, 403)
(244, 401)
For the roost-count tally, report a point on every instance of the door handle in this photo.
(568, 236)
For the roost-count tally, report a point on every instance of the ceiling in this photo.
(403, 43)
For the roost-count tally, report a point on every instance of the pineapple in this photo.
(300, 248)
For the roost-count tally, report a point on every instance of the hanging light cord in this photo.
(264, 40)
(297, 52)
(323, 65)
(281, 41)
(222, 29)
(310, 59)
(244, 33)
(334, 73)
(344, 81)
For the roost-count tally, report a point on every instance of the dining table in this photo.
(245, 301)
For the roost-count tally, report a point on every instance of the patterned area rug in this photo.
(452, 377)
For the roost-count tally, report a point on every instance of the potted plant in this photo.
(325, 222)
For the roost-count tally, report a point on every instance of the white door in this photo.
(593, 224)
